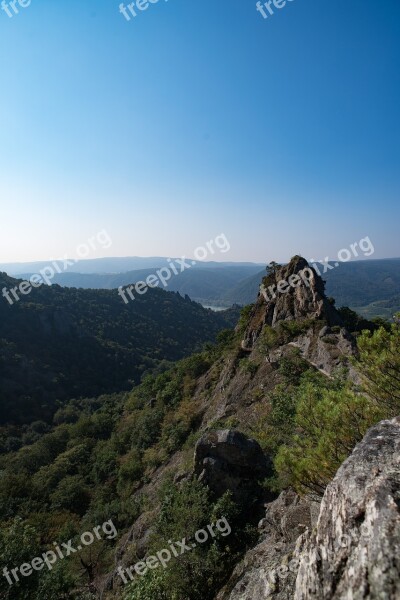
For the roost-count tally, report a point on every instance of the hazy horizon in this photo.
(41, 263)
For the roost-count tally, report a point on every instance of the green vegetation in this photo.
(381, 308)
(60, 343)
(283, 333)
(379, 363)
(276, 428)
(20, 543)
(203, 283)
(356, 324)
(86, 469)
(328, 424)
(314, 423)
(89, 459)
(200, 572)
(249, 366)
(357, 283)
(245, 314)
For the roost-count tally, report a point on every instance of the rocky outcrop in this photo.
(351, 552)
(318, 331)
(303, 299)
(329, 350)
(228, 460)
(269, 570)
(355, 550)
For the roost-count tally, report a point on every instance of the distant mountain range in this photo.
(371, 287)
(114, 265)
(205, 285)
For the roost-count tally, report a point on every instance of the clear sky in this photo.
(197, 118)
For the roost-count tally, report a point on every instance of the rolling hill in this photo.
(58, 343)
(371, 287)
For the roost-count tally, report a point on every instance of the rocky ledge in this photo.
(351, 552)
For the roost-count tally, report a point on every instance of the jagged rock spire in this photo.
(292, 292)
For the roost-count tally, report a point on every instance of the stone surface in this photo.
(228, 460)
(328, 352)
(351, 553)
(324, 342)
(355, 551)
(306, 301)
(269, 570)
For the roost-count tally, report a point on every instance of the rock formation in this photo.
(354, 550)
(228, 460)
(324, 341)
(269, 570)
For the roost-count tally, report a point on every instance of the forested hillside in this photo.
(61, 343)
(174, 454)
(372, 287)
(203, 283)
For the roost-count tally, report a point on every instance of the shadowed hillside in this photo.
(58, 343)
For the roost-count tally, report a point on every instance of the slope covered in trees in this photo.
(129, 457)
(60, 343)
(372, 287)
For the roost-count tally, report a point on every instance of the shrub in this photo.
(198, 573)
(312, 428)
(130, 471)
(151, 586)
(328, 424)
(288, 330)
(379, 364)
(248, 366)
(178, 425)
(292, 367)
(245, 314)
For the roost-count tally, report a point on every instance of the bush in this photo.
(151, 586)
(130, 471)
(313, 423)
(328, 424)
(248, 366)
(245, 314)
(198, 573)
(379, 364)
(292, 367)
(290, 329)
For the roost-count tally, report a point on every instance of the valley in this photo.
(224, 435)
(352, 284)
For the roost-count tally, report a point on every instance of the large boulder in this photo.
(355, 551)
(351, 552)
(228, 460)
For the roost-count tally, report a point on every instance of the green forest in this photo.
(90, 464)
(62, 343)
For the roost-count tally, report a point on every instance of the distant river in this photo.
(215, 308)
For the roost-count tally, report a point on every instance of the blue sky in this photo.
(197, 118)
